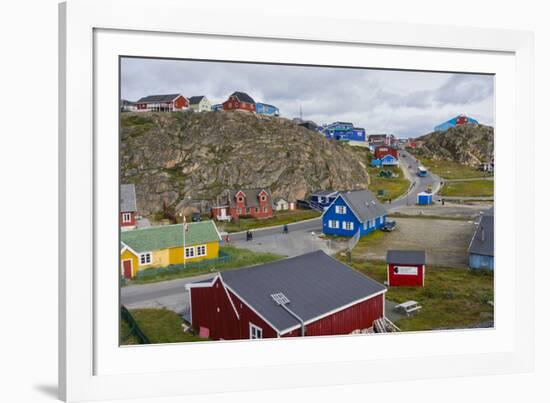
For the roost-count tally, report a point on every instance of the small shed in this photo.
(424, 198)
(280, 204)
(406, 267)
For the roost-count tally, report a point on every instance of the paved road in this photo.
(418, 184)
(314, 224)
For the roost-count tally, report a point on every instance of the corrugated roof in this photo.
(483, 240)
(158, 98)
(128, 198)
(315, 284)
(243, 97)
(251, 196)
(364, 204)
(321, 192)
(406, 257)
(170, 236)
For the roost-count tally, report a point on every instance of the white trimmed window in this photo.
(340, 209)
(190, 252)
(265, 209)
(145, 258)
(333, 224)
(347, 225)
(239, 211)
(126, 217)
(255, 331)
(201, 250)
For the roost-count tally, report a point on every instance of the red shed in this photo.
(128, 206)
(381, 151)
(307, 295)
(406, 267)
(240, 101)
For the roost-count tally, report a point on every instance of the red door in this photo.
(127, 264)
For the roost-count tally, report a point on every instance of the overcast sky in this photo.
(382, 101)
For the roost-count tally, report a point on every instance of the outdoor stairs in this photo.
(316, 206)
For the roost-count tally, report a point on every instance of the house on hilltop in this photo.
(200, 104)
(352, 212)
(307, 295)
(344, 131)
(456, 121)
(240, 101)
(266, 109)
(162, 103)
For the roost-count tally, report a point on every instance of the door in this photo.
(127, 265)
(223, 212)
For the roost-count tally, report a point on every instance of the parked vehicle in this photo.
(389, 226)
(196, 217)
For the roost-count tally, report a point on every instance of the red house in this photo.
(128, 206)
(307, 295)
(383, 150)
(240, 101)
(406, 267)
(246, 202)
(162, 103)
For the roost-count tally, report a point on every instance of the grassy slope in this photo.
(452, 170)
(162, 326)
(477, 188)
(239, 258)
(393, 187)
(279, 218)
(451, 298)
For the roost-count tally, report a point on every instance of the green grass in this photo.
(433, 217)
(451, 298)
(239, 257)
(451, 169)
(126, 338)
(393, 187)
(368, 241)
(476, 188)
(161, 326)
(279, 218)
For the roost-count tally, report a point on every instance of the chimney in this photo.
(482, 234)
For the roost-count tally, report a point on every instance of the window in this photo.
(145, 258)
(126, 217)
(239, 210)
(201, 250)
(255, 331)
(262, 198)
(347, 225)
(340, 209)
(240, 199)
(190, 252)
(265, 209)
(333, 224)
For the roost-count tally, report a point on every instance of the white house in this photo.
(280, 204)
(199, 104)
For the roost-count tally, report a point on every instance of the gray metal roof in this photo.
(406, 257)
(324, 193)
(196, 99)
(158, 98)
(128, 198)
(315, 284)
(483, 240)
(251, 196)
(243, 97)
(364, 204)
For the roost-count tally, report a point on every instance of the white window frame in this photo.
(192, 253)
(348, 225)
(340, 209)
(334, 224)
(199, 247)
(254, 331)
(126, 217)
(145, 258)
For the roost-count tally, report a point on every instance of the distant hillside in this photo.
(175, 157)
(466, 144)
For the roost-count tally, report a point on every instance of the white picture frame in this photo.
(93, 33)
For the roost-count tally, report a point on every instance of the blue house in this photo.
(389, 160)
(376, 163)
(217, 107)
(357, 134)
(456, 121)
(343, 131)
(357, 210)
(321, 199)
(266, 109)
(482, 244)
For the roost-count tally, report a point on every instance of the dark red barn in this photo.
(381, 151)
(250, 202)
(162, 103)
(406, 267)
(307, 295)
(240, 101)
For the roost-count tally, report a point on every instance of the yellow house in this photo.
(161, 246)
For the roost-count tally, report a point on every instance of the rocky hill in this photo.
(175, 158)
(466, 144)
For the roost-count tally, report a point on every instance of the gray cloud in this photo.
(401, 102)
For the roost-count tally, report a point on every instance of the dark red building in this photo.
(383, 150)
(162, 103)
(308, 295)
(128, 208)
(406, 268)
(240, 101)
(248, 202)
